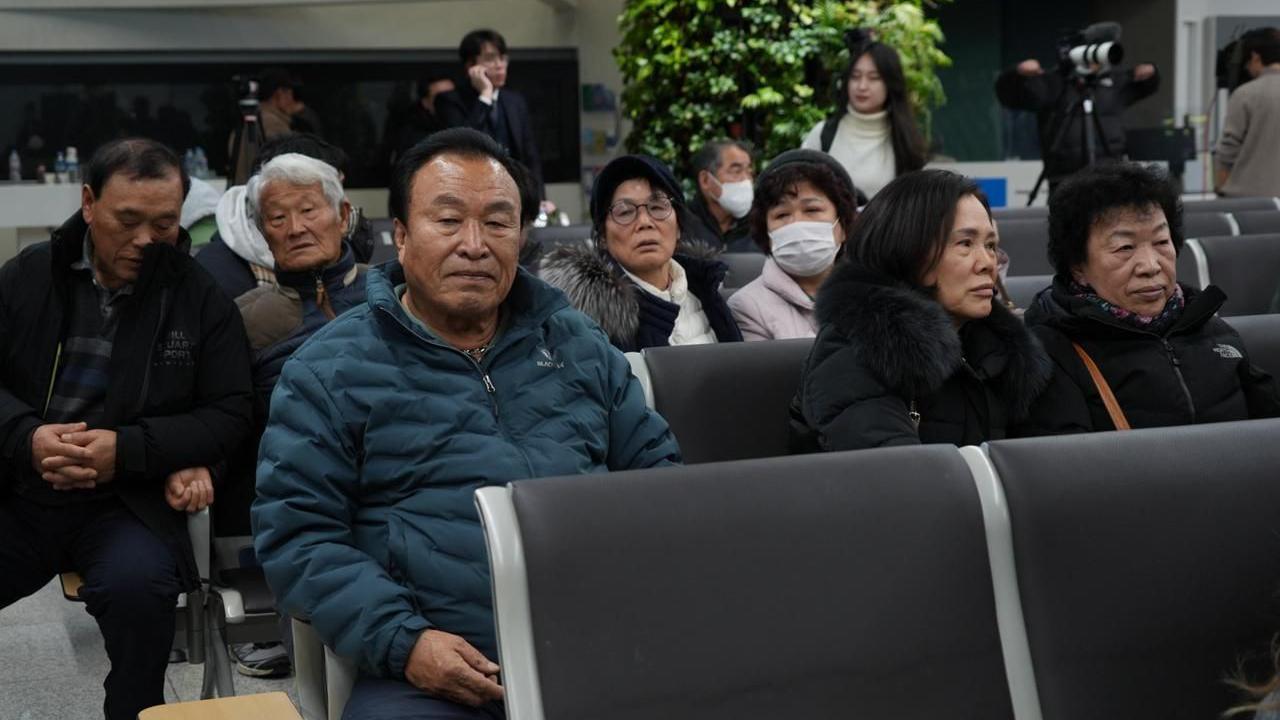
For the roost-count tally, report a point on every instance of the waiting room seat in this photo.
(1147, 564)
(1261, 335)
(1037, 212)
(322, 678)
(553, 235)
(1206, 224)
(817, 586)
(1257, 222)
(743, 268)
(1247, 268)
(727, 401)
(1027, 242)
(1231, 205)
(1024, 288)
(384, 244)
(264, 706)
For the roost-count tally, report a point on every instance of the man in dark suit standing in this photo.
(485, 105)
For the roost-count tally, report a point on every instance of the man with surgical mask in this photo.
(725, 171)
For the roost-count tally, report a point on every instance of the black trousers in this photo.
(386, 699)
(131, 585)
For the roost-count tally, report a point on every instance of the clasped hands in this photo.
(70, 456)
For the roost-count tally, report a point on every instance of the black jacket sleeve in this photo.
(1033, 94)
(17, 419)
(1063, 407)
(456, 111)
(221, 411)
(529, 144)
(1260, 391)
(1135, 90)
(848, 408)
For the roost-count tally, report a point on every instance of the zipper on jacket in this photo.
(53, 378)
(1177, 370)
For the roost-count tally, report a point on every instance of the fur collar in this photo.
(596, 285)
(908, 341)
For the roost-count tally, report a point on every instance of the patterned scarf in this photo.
(1157, 324)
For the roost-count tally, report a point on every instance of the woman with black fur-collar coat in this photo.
(911, 347)
(637, 283)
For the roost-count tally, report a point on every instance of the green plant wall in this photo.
(759, 70)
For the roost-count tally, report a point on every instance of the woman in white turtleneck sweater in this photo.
(873, 131)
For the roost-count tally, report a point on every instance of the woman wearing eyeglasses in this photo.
(640, 283)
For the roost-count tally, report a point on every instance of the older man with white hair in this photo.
(297, 202)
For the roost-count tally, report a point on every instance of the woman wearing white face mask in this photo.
(803, 203)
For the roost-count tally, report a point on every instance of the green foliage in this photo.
(760, 70)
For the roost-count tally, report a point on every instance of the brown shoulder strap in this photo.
(1108, 398)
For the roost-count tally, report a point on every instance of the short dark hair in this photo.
(1265, 41)
(708, 156)
(903, 231)
(454, 141)
(273, 79)
(140, 158)
(1095, 192)
(772, 187)
(303, 144)
(473, 44)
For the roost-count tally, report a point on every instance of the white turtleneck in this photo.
(863, 146)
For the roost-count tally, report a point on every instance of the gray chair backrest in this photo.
(1261, 335)
(1231, 204)
(729, 401)
(819, 586)
(1247, 268)
(553, 235)
(1257, 222)
(1148, 563)
(743, 268)
(384, 244)
(1024, 288)
(1189, 268)
(1027, 241)
(1206, 224)
(1009, 213)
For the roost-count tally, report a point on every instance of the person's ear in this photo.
(345, 215)
(400, 236)
(706, 182)
(87, 201)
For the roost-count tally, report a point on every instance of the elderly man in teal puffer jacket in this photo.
(462, 371)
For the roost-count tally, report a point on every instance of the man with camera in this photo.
(1079, 106)
(1246, 157)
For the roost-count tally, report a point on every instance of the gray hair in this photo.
(708, 156)
(294, 169)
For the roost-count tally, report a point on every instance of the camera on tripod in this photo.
(248, 136)
(1091, 52)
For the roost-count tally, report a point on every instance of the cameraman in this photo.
(1246, 156)
(1055, 98)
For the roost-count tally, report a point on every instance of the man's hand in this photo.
(189, 490)
(446, 666)
(1145, 71)
(62, 464)
(101, 448)
(1030, 68)
(480, 81)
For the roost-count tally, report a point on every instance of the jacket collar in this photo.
(335, 277)
(529, 304)
(1058, 308)
(909, 342)
(785, 286)
(160, 262)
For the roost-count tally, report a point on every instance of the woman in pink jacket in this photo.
(804, 205)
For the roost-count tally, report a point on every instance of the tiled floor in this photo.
(52, 663)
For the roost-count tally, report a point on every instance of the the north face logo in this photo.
(549, 359)
(1228, 352)
(176, 349)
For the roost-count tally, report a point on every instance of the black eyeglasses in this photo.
(625, 212)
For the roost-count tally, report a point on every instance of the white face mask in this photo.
(735, 197)
(804, 248)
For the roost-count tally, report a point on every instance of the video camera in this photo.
(246, 90)
(1091, 52)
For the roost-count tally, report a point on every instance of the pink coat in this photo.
(773, 307)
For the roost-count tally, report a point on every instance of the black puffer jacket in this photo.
(1197, 372)
(883, 347)
(179, 395)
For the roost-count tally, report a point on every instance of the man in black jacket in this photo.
(124, 376)
(483, 103)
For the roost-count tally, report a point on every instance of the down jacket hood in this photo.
(239, 231)
(908, 342)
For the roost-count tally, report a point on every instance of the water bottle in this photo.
(73, 166)
(15, 166)
(60, 168)
(202, 163)
(189, 162)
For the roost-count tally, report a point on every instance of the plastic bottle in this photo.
(15, 166)
(202, 163)
(73, 166)
(60, 168)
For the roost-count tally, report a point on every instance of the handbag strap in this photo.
(1108, 398)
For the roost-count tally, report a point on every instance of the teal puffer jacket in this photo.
(380, 433)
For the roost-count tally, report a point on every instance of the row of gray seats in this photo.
(1230, 205)
(1093, 576)
(1247, 268)
(730, 401)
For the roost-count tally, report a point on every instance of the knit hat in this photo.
(808, 157)
(631, 167)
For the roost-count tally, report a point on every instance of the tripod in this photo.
(247, 141)
(1090, 128)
